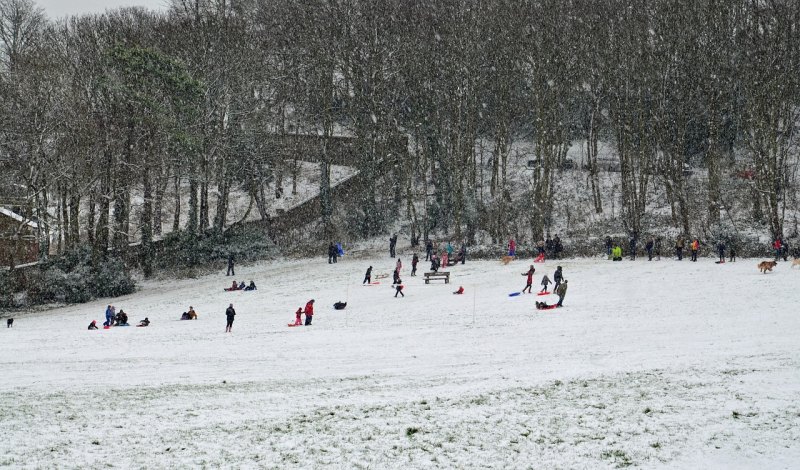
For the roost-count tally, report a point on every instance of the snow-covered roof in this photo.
(17, 217)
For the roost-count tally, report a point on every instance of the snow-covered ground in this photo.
(653, 364)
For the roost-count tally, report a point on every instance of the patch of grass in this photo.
(96, 442)
(411, 431)
(647, 410)
(736, 414)
(656, 445)
(619, 457)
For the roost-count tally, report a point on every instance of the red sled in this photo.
(549, 307)
(543, 293)
(294, 324)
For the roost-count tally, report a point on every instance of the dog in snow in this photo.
(765, 266)
(796, 262)
(506, 259)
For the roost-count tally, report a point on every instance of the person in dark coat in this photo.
(529, 281)
(434, 262)
(333, 253)
(721, 251)
(251, 286)
(609, 245)
(649, 247)
(392, 245)
(399, 288)
(545, 281)
(679, 248)
(557, 247)
(396, 276)
(414, 261)
(230, 313)
(368, 276)
(633, 246)
(561, 292)
(658, 248)
(309, 311)
(463, 253)
(558, 277)
(732, 253)
(230, 266)
(428, 249)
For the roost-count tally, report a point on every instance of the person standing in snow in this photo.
(658, 248)
(229, 314)
(695, 246)
(399, 266)
(777, 245)
(512, 248)
(414, 261)
(558, 276)
(529, 281)
(449, 249)
(309, 311)
(392, 245)
(399, 288)
(230, 265)
(333, 253)
(109, 315)
(368, 276)
(428, 249)
(649, 248)
(732, 253)
(434, 262)
(298, 315)
(545, 281)
(557, 247)
(561, 292)
(633, 246)
(609, 245)
(679, 248)
(721, 251)
(463, 253)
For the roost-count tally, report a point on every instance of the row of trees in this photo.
(97, 109)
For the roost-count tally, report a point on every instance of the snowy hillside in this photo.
(653, 364)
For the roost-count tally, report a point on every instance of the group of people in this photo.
(547, 248)
(334, 252)
(559, 287)
(114, 318)
(189, 315)
(654, 244)
(241, 286)
(448, 257)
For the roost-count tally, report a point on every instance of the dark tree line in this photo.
(102, 114)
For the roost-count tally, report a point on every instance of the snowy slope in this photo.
(655, 364)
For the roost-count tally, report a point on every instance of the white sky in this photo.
(59, 8)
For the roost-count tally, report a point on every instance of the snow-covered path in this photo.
(673, 364)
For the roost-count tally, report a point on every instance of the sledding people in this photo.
(251, 286)
(333, 253)
(145, 322)
(93, 325)
(368, 276)
(121, 318)
(542, 305)
(545, 281)
(192, 313)
(529, 280)
(512, 248)
(110, 313)
(428, 249)
(460, 290)
(298, 316)
(649, 248)
(241, 286)
(234, 286)
(558, 276)
(392, 245)
(398, 289)
(540, 248)
(309, 311)
(414, 261)
(721, 251)
(184, 316)
(695, 247)
(339, 305)
(230, 313)
(561, 292)
(679, 247)
(616, 253)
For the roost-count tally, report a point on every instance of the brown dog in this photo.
(765, 266)
(506, 259)
(796, 262)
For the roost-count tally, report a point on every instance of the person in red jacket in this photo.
(529, 282)
(459, 291)
(777, 245)
(309, 311)
(298, 317)
(512, 248)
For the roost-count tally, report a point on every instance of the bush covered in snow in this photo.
(184, 250)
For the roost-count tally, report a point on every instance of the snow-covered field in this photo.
(652, 364)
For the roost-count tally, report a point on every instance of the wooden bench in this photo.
(440, 275)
